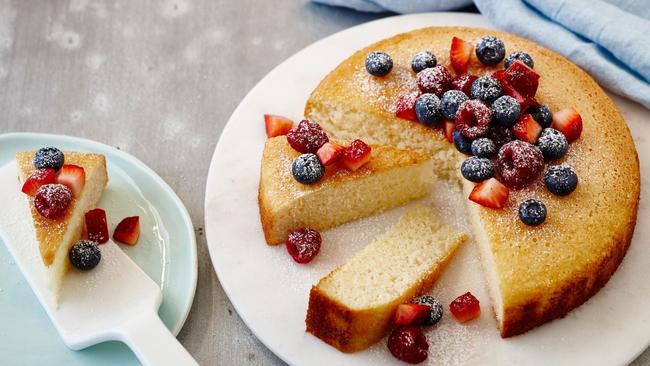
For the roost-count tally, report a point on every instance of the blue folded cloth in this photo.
(607, 38)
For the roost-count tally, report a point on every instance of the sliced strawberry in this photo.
(449, 130)
(490, 193)
(465, 307)
(128, 230)
(460, 54)
(330, 153)
(464, 83)
(96, 227)
(569, 122)
(411, 314)
(356, 155)
(72, 176)
(405, 107)
(37, 179)
(522, 78)
(527, 129)
(276, 125)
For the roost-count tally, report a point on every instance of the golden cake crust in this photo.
(546, 271)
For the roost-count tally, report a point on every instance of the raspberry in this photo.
(473, 119)
(52, 200)
(308, 137)
(408, 344)
(303, 244)
(519, 163)
(464, 83)
(434, 80)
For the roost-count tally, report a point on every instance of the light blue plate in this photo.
(166, 251)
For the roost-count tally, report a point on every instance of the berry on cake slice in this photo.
(460, 54)
(38, 178)
(307, 137)
(356, 155)
(405, 107)
(490, 193)
(276, 125)
(465, 307)
(73, 177)
(330, 153)
(449, 130)
(522, 78)
(569, 122)
(96, 227)
(527, 129)
(128, 230)
(412, 314)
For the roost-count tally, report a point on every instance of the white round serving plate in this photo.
(270, 292)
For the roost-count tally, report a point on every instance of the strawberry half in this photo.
(37, 179)
(522, 78)
(569, 122)
(465, 307)
(490, 193)
(128, 230)
(449, 130)
(96, 227)
(460, 54)
(405, 107)
(527, 129)
(276, 125)
(356, 155)
(411, 314)
(72, 176)
(330, 153)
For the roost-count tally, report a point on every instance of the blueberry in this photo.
(542, 115)
(490, 50)
(506, 110)
(49, 157)
(450, 101)
(378, 63)
(427, 109)
(477, 169)
(462, 143)
(436, 308)
(553, 144)
(532, 212)
(484, 148)
(486, 88)
(521, 56)
(500, 135)
(307, 169)
(85, 255)
(423, 60)
(560, 180)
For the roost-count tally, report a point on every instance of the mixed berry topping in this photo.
(49, 157)
(73, 177)
(532, 212)
(484, 148)
(552, 144)
(405, 107)
(477, 169)
(308, 137)
(434, 80)
(473, 119)
(519, 163)
(356, 155)
(490, 50)
(505, 110)
(486, 88)
(38, 178)
(542, 115)
(52, 200)
(427, 109)
(423, 60)
(465, 307)
(464, 83)
(85, 255)
(128, 230)
(379, 63)
(408, 344)
(560, 180)
(276, 125)
(307, 169)
(450, 101)
(435, 309)
(521, 56)
(303, 245)
(96, 226)
(462, 143)
(460, 55)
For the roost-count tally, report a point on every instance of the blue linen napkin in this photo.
(610, 39)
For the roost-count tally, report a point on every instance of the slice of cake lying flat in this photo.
(391, 178)
(56, 236)
(353, 306)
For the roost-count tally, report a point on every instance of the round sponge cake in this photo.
(535, 274)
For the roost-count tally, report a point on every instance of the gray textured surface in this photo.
(159, 80)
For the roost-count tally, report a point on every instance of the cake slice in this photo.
(353, 307)
(392, 177)
(56, 236)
